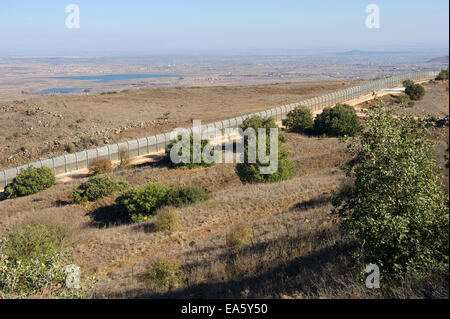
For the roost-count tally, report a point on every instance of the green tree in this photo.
(414, 91)
(190, 163)
(250, 172)
(30, 181)
(443, 75)
(299, 119)
(396, 206)
(340, 120)
(139, 203)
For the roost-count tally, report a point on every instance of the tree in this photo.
(30, 181)
(414, 91)
(443, 75)
(251, 172)
(299, 119)
(340, 120)
(396, 207)
(189, 163)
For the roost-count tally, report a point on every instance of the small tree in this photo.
(30, 181)
(414, 91)
(100, 166)
(443, 75)
(396, 206)
(190, 163)
(299, 119)
(166, 218)
(340, 120)
(250, 172)
(138, 204)
(97, 187)
(165, 273)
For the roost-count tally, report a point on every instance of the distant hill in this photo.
(361, 52)
(442, 59)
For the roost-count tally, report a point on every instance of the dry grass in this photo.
(297, 251)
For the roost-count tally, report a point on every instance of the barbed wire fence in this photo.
(157, 143)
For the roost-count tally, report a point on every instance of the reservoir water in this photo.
(117, 77)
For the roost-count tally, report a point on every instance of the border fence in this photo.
(153, 144)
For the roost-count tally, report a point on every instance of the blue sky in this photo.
(217, 26)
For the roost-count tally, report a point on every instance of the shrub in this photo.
(443, 75)
(124, 157)
(185, 195)
(30, 181)
(69, 148)
(414, 91)
(338, 121)
(165, 273)
(251, 172)
(138, 204)
(404, 100)
(166, 218)
(100, 166)
(239, 237)
(97, 187)
(32, 264)
(299, 119)
(31, 242)
(189, 163)
(396, 206)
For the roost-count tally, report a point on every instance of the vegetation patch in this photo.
(30, 181)
(140, 203)
(251, 172)
(239, 237)
(165, 273)
(32, 264)
(194, 159)
(186, 195)
(299, 119)
(340, 120)
(396, 206)
(97, 187)
(166, 218)
(100, 166)
(415, 91)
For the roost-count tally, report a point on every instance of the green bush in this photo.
(139, 203)
(165, 273)
(250, 172)
(190, 163)
(414, 91)
(186, 195)
(338, 121)
(100, 166)
(30, 181)
(299, 119)
(166, 218)
(239, 237)
(97, 187)
(396, 206)
(443, 75)
(33, 265)
(31, 242)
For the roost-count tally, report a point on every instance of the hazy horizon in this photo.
(29, 28)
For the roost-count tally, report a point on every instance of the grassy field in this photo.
(297, 249)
